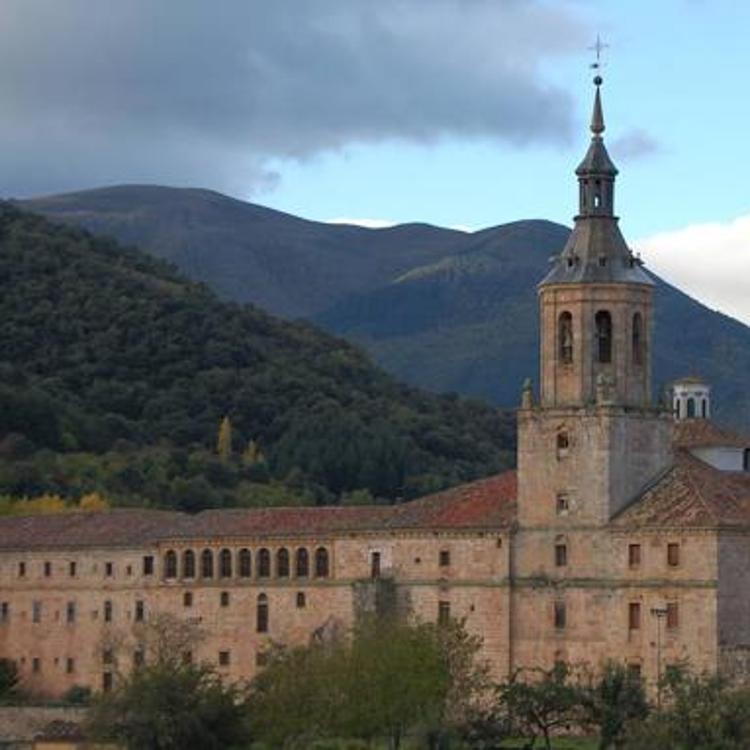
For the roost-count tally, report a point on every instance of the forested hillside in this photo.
(116, 372)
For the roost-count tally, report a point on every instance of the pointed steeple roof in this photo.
(596, 251)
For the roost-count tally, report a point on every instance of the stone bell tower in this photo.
(594, 440)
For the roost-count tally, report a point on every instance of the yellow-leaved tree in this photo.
(253, 455)
(93, 501)
(224, 440)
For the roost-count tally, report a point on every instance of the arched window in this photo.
(188, 564)
(746, 459)
(282, 563)
(565, 338)
(637, 339)
(691, 408)
(603, 321)
(225, 563)
(563, 443)
(261, 614)
(207, 564)
(264, 563)
(302, 563)
(321, 562)
(245, 563)
(170, 564)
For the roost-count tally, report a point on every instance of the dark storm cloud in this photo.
(211, 93)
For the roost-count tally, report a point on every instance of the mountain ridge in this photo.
(439, 308)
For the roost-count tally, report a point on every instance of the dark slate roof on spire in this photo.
(597, 159)
(596, 252)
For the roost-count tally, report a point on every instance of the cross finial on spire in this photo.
(598, 47)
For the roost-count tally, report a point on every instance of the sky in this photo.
(461, 113)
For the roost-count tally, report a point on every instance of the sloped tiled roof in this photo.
(692, 494)
(703, 433)
(113, 528)
(484, 504)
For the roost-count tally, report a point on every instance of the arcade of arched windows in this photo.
(261, 563)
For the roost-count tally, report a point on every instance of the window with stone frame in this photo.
(36, 611)
(107, 611)
(47, 569)
(375, 559)
(207, 564)
(225, 563)
(140, 611)
(282, 563)
(634, 616)
(673, 616)
(261, 614)
(562, 444)
(560, 615)
(301, 600)
(637, 339)
(302, 563)
(170, 564)
(634, 555)
(148, 565)
(224, 658)
(264, 563)
(70, 612)
(603, 325)
(322, 564)
(444, 612)
(245, 563)
(673, 554)
(562, 503)
(565, 338)
(187, 599)
(445, 558)
(224, 599)
(188, 564)
(561, 554)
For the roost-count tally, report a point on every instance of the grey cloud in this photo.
(635, 144)
(192, 92)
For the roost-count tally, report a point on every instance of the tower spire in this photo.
(597, 117)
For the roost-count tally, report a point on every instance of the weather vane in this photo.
(598, 48)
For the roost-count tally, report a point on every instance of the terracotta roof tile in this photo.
(113, 528)
(693, 494)
(487, 503)
(703, 433)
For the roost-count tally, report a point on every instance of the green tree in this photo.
(700, 712)
(8, 680)
(170, 703)
(385, 679)
(539, 702)
(224, 439)
(611, 700)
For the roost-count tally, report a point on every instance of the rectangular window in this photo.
(140, 611)
(47, 569)
(187, 599)
(561, 615)
(224, 658)
(36, 664)
(375, 565)
(108, 611)
(634, 555)
(21, 569)
(445, 558)
(4, 612)
(562, 504)
(70, 612)
(148, 565)
(444, 613)
(561, 555)
(109, 569)
(70, 665)
(673, 616)
(673, 554)
(72, 569)
(107, 657)
(634, 616)
(224, 598)
(106, 682)
(634, 671)
(36, 611)
(301, 600)
(138, 658)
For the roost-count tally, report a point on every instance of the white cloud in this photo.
(635, 144)
(711, 262)
(368, 223)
